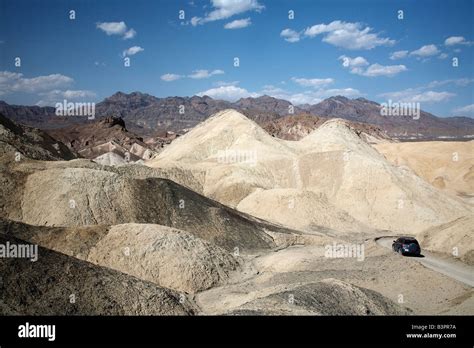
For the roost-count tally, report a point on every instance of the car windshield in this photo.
(409, 241)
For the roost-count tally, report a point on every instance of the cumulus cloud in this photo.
(129, 34)
(229, 93)
(383, 70)
(352, 36)
(312, 82)
(52, 97)
(49, 88)
(238, 24)
(204, 74)
(426, 93)
(355, 64)
(443, 56)
(308, 97)
(457, 40)
(461, 82)
(223, 9)
(290, 35)
(358, 66)
(425, 51)
(414, 95)
(132, 51)
(467, 110)
(196, 74)
(398, 55)
(170, 77)
(117, 28)
(16, 82)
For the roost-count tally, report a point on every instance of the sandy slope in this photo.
(452, 238)
(329, 174)
(447, 165)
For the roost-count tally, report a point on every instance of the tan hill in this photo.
(165, 256)
(57, 284)
(447, 165)
(239, 164)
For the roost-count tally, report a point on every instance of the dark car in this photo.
(406, 246)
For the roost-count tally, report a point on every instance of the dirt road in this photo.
(450, 268)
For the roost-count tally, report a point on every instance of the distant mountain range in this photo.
(148, 115)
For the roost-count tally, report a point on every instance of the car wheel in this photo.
(400, 251)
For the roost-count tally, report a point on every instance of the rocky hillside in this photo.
(104, 137)
(362, 110)
(30, 142)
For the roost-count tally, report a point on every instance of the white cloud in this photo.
(414, 95)
(383, 70)
(352, 36)
(426, 94)
(426, 51)
(196, 74)
(204, 74)
(443, 56)
(170, 77)
(229, 93)
(112, 28)
(312, 82)
(357, 66)
(69, 94)
(462, 82)
(52, 97)
(238, 24)
(16, 82)
(195, 21)
(456, 40)
(48, 88)
(223, 9)
(467, 110)
(132, 51)
(117, 28)
(308, 97)
(290, 35)
(398, 55)
(129, 34)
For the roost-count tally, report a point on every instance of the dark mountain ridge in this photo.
(146, 114)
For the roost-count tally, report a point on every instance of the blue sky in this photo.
(332, 47)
